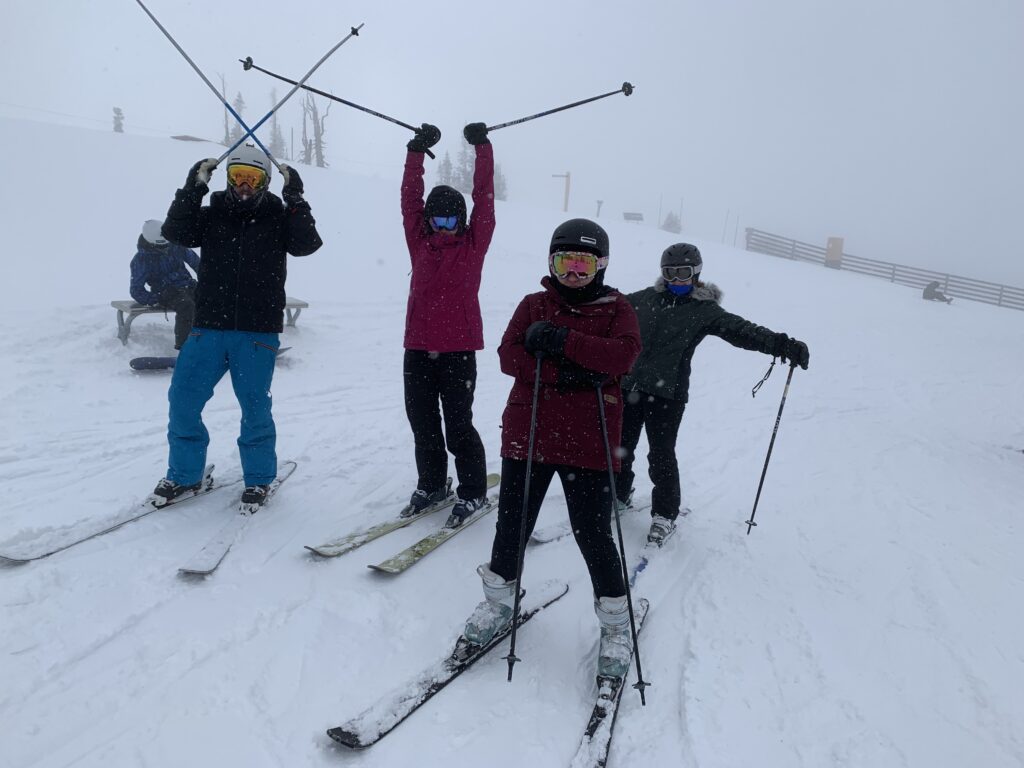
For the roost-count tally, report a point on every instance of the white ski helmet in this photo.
(151, 232)
(247, 154)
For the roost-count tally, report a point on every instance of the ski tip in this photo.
(381, 568)
(493, 479)
(346, 738)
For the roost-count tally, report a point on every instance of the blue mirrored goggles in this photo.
(448, 223)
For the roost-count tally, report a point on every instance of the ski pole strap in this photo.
(753, 392)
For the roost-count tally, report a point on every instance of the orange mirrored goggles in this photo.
(247, 174)
(582, 263)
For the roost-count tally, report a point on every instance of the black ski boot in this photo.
(463, 509)
(422, 499)
(167, 491)
(255, 495)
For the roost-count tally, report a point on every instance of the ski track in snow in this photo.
(867, 620)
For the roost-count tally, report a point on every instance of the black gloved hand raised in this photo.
(544, 337)
(291, 193)
(574, 376)
(792, 351)
(198, 178)
(427, 135)
(476, 133)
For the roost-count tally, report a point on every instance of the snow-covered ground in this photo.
(871, 619)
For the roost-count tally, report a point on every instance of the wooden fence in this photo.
(952, 285)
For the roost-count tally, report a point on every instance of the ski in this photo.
(412, 554)
(379, 720)
(347, 543)
(560, 530)
(597, 736)
(205, 562)
(77, 534)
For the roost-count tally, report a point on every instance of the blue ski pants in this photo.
(204, 359)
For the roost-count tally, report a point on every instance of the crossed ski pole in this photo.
(249, 132)
(248, 64)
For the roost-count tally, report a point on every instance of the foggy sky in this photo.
(894, 125)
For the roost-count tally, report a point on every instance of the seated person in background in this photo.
(161, 265)
(932, 293)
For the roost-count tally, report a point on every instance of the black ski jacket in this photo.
(672, 326)
(243, 266)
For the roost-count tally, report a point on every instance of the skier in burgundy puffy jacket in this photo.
(585, 334)
(443, 328)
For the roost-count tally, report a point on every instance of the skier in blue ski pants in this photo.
(203, 361)
(246, 234)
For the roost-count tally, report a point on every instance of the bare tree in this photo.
(118, 120)
(317, 120)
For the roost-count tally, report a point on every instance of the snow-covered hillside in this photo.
(868, 620)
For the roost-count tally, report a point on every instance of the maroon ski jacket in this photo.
(604, 337)
(443, 311)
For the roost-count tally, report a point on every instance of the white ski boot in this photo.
(661, 529)
(493, 614)
(616, 638)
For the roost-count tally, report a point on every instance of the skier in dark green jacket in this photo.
(675, 315)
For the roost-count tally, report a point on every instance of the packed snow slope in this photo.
(868, 620)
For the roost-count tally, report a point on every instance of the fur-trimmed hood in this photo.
(700, 292)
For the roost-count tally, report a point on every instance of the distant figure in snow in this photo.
(932, 293)
(443, 327)
(160, 265)
(675, 315)
(246, 233)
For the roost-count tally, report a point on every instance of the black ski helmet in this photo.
(682, 255)
(445, 201)
(580, 235)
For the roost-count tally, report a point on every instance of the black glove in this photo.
(545, 337)
(291, 193)
(476, 133)
(574, 376)
(199, 175)
(792, 351)
(427, 135)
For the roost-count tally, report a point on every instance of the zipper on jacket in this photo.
(238, 273)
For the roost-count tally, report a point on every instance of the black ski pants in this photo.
(589, 500)
(661, 418)
(182, 300)
(448, 378)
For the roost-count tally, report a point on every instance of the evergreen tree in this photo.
(118, 120)
(462, 175)
(500, 185)
(239, 105)
(672, 223)
(277, 146)
(444, 170)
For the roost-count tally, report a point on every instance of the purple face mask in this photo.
(679, 290)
